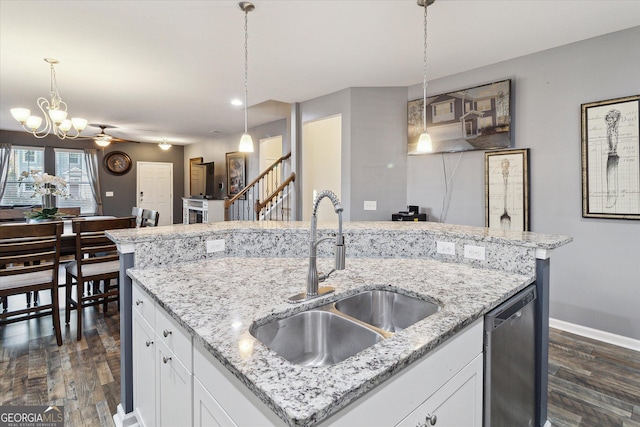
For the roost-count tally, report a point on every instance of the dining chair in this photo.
(29, 261)
(137, 212)
(95, 267)
(150, 218)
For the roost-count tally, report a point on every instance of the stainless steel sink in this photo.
(331, 333)
(387, 310)
(316, 337)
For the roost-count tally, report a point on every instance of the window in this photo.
(71, 166)
(19, 189)
(484, 104)
(442, 112)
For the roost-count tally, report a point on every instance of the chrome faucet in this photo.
(313, 279)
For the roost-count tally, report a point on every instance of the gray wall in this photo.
(123, 186)
(374, 155)
(595, 281)
(215, 150)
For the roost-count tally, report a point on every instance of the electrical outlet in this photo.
(447, 248)
(370, 205)
(215, 245)
(474, 252)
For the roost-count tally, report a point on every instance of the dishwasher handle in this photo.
(510, 309)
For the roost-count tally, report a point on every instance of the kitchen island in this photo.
(216, 296)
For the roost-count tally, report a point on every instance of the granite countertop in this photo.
(521, 238)
(217, 300)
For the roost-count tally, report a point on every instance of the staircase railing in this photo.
(264, 198)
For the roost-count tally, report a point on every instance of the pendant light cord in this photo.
(246, 66)
(424, 81)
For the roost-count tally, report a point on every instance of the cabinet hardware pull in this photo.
(166, 333)
(431, 419)
(148, 343)
(139, 301)
(166, 359)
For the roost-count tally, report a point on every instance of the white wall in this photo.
(595, 281)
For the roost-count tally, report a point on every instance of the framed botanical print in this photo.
(507, 189)
(236, 172)
(611, 158)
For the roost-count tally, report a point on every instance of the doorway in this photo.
(321, 164)
(154, 189)
(270, 151)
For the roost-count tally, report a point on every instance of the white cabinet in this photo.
(202, 210)
(144, 370)
(457, 403)
(207, 412)
(162, 366)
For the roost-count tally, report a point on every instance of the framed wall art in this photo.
(507, 189)
(236, 172)
(477, 118)
(611, 158)
(117, 163)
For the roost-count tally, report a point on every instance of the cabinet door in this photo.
(457, 403)
(207, 412)
(144, 371)
(174, 407)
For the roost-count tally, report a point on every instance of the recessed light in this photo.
(237, 102)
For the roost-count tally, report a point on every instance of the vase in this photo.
(47, 201)
(38, 220)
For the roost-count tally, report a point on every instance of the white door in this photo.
(155, 189)
(321, 164)
(270, 151)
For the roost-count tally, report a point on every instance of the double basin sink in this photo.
(333, 332)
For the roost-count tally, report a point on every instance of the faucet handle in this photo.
(340, 252)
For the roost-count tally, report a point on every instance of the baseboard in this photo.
(120, 419)
(596, 334)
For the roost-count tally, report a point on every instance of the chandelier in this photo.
(164, 145)
(54, 111)
(246, 143)
(424, 142)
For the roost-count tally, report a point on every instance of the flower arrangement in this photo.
(44, 213)
(45, 184)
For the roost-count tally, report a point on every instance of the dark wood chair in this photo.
(150, 218)
(95, 267)
(29, 260)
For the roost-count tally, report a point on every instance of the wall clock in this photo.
(117, 163)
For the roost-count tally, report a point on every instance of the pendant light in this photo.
(424, 142)
(246, 143)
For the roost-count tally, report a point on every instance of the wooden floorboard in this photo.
(83, 376)
(590, 383)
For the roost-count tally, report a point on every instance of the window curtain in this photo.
(5, 154)
(91, 160)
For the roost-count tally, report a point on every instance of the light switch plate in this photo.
(215, 245)
(447, 248)
(108, 194)
(474, 252)
(370, 205)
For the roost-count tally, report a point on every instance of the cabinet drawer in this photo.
(144, 304)
(457, 403)
(175, 337)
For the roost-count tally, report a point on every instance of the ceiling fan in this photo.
(103, 139)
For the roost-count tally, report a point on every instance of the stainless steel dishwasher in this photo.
(509, 362)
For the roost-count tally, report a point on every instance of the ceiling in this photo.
(169, 69)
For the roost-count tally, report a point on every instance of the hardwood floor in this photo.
(84, 376)
(590, 383)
